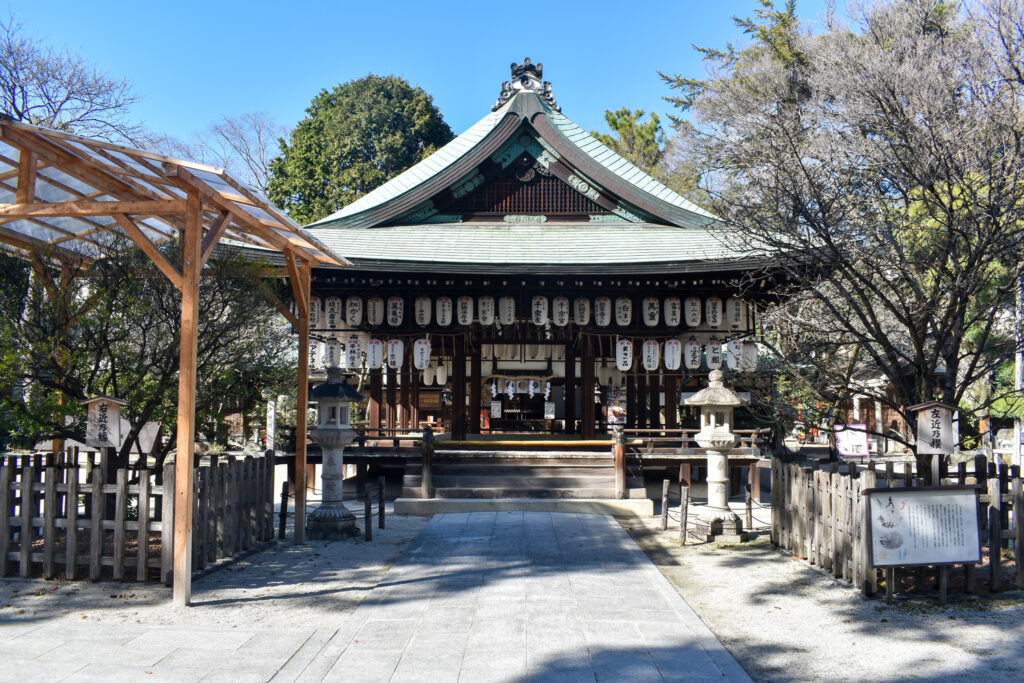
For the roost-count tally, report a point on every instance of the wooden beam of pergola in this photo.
(98, 170)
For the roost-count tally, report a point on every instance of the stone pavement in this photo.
(519, 596)
(507, 596)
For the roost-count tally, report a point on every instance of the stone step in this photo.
(527, 493)
(633, 507)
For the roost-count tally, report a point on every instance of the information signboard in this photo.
(923, 526)
(852, 440)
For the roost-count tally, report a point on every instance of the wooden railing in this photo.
(818, 515)
(59, 518)
(654, 439)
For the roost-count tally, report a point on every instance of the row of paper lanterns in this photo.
(736, 354)
(671, 311)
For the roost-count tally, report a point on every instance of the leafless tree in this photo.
(59, 90)
(881, 162)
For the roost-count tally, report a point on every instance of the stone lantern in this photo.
(717, 522)
(332, 521)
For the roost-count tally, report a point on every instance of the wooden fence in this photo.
(57, 517)
(818, 515)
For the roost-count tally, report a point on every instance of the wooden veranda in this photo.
(65, 199)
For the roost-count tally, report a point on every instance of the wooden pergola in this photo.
(71, 199)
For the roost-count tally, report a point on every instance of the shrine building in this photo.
(525, 278)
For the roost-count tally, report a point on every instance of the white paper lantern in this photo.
(443, 310)
(602, 311)
(604, 374)
(560, 311)
(673, 354)
(713, 311)
(651, 355)
(354, 311)
(735, 313)
(421, 353)
(691, 354)
(375, 310)
(748, 356)
(428, 375)
(353, 354)
(539, 310)
(314, 353)
(396, 353)
(332, 313)
(464, 310)
(714, 354)
(332, 353)
(624, 355)
(507, 310)
(442, 374)
(485, 305)
(733, 352)
(651, 314)
(314, 312)
(691, 309)
(374, 354)
(396, 310)
(623, 311)
(673, 311)
(421, 310)
(581, 311)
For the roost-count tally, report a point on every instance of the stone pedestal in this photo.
(332, 521)
(717, 522)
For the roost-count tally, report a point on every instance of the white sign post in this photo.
(103, 422)
(852, 440)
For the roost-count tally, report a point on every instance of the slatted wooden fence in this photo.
(818, 514)
(43, 498)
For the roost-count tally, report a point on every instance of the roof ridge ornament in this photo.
(526, 77)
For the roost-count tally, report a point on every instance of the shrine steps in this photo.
(516, 480)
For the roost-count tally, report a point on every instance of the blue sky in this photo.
(193, 62)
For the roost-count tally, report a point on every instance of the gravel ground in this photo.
(283, 587)
(786, 621)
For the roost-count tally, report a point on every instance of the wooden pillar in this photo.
(671, 401)
(184, 474)
(587, 390)
(403, 403)
(414, 398)
(459, 389)
(641, 400)
(299, 270)
(654, 395)
(630, 402)
(474, 390)
(373, 407)
(570, 390)
(389, 407)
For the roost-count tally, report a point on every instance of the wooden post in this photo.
(380, 501)
(459, 390)
(664, 504)
(191, 241)
(49, 522)
(71, 528)
(373, 404)
(671, 401)
(300, 271)
(619, 459)
(570, 390)
(1018, 531)
(427, 464)
(142, 551)
(28, 476)
(390, 412)
(870, 577)
(684, 509)
(587, 390)
(367, 512)
(96, 525)
(408, 378)
(995, 529)
(475, 399)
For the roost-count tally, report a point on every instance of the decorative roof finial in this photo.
(526, 76)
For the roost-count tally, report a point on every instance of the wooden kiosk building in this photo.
(526, 278)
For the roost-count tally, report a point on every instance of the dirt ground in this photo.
(784, 620)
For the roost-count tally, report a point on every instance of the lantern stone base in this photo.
(720, 526)
(331, 523)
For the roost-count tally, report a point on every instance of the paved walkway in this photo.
(514, 596)
(506, 596)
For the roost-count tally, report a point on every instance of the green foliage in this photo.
(354, 138)
(641, 143)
